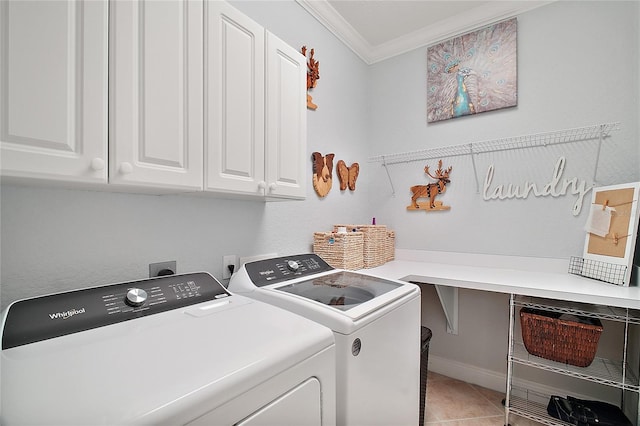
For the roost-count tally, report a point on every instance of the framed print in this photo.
(473, 73)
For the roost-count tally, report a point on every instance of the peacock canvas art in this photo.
(473, 73)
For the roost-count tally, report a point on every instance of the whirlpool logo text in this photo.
(67, 314)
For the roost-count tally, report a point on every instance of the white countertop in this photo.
(538, 277)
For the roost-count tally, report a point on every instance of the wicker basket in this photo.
(374, 249)
(343, 251)
(553, 336)
(390, 246)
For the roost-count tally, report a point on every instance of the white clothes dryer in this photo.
(376, 324)
(170, 350)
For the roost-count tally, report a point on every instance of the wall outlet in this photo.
(229, 262)
(162, 268)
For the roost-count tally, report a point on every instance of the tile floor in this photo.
(451, 402)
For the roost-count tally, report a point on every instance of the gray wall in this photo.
(578, 65)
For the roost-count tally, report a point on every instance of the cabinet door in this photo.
(155, 94)
(286, 120)
(53, 90)
(234, 103)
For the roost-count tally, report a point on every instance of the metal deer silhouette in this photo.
(431, 190)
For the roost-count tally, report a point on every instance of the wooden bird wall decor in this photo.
(347, 175)
(322, 173)
(313, 75)
(431, 190)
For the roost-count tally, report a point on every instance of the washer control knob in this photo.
(292, 265)
(136, 297)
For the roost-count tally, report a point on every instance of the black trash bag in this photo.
(582, 412)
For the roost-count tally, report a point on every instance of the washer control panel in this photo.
(41, 318)
(278, 269)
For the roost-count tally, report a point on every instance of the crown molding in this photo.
(336, 24)
(472, 19)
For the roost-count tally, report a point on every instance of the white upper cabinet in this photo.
(155, 94)
(150, 96)
(234, 102)
(53, 90)
(255, 107)
(286, 122)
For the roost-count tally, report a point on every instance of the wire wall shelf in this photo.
(597, 132)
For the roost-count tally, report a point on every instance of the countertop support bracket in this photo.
(449, 300)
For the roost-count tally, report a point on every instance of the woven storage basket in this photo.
(390, 246)
(571, 341)
(343, 251)
(374, 250)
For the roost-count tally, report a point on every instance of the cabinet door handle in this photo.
(126, 168)
(272, 186)
(97, 164)
(262, 185)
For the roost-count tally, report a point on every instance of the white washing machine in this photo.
(376, 324)
(170, 350)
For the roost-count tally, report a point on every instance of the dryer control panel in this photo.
(41, 318)
(278, 269)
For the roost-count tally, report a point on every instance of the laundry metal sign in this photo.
(554, 188)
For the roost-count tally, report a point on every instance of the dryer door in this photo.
(299, 406)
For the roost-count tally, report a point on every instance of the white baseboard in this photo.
(468, 373)
(490, 379)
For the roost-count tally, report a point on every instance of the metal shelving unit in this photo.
(603, 371)
(527, 404)
(607, 372)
